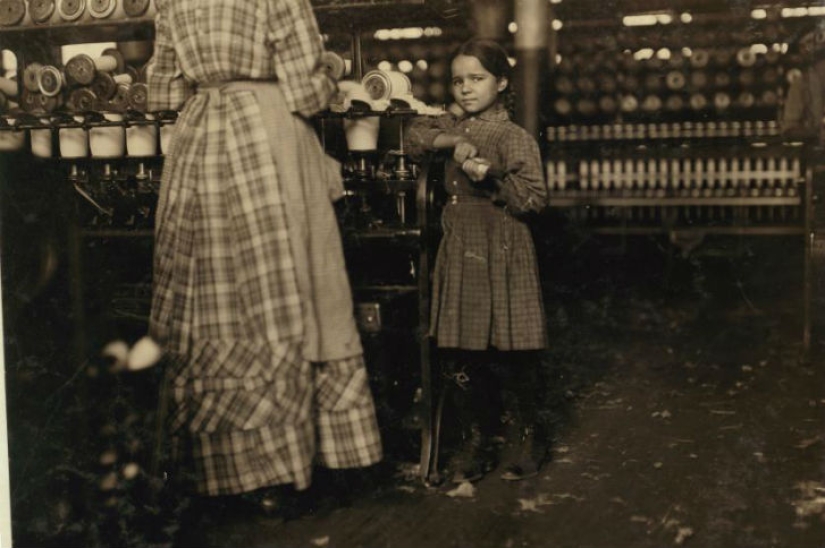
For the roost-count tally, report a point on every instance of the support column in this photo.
(490, 18)
(532, 67)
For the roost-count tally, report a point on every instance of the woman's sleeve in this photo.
(167, 87)
(296, 43)
(520, 180)
(421, 131)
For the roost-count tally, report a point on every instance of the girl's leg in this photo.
(466, 380)
(523, 379)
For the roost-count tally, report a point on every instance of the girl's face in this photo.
(475, 89)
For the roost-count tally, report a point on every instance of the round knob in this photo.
(674, 103)
(747, 78)
(562, 106)
(586, 107)
(82, 100)
(138, 96)
(607, 103)
(333, 65)
(119, 102)
(50, 81)
(675, 80)
(721, 101)
(41, 10)
(698, 79)
(103, 85)
(28, 100)
(100, 9)
(31, 77)
(378, 84)
(11, 12)
(652, 103)
(745, 57)
(135, 8)
(71, 10)
(698, 101)
(745, 100)
(721, 79)
(699, 58)
(81, 69)
(46, 103)
(629, 103)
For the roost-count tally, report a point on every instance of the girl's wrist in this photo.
(460, 139)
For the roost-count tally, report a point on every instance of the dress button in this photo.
(466, 130)
(455, 183)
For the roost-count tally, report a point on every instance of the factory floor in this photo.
(684, 413)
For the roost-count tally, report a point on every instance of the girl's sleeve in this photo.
(520, 180)
(167, 87)
(421, 131)
(297, 48)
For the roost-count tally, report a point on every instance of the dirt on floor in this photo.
(685, 414)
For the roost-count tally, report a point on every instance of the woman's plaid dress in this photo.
(248, 409)
(486, 287)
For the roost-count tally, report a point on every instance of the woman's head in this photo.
(480, 72)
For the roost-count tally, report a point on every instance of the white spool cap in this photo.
(166, 131)
(74, 141)
(108, 141)
(10, 139)
(362, 133)
(386, 84)
(41, 141)
(141, 140)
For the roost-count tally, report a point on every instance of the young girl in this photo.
(487, 311)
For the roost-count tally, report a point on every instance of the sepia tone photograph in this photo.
(412, 273)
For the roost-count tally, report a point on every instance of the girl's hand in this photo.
(456, 110)
(476, 168)
(464, 150)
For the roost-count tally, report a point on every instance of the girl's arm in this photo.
(167, 87)
(519, 180)
(431, 133)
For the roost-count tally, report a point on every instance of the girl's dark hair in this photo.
(494, 58)
(490, 54)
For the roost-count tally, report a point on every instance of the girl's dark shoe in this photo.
(472, 461)
(523, 469)
(526, 465)
(276, 502)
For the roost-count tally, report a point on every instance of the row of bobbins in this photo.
(27, 13)
(86, 83)
(106, 135)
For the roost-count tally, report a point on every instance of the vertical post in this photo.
(429, 441)
(809, 243)
(531, 60)
(357, 60)
(489, 19)
(5, 486)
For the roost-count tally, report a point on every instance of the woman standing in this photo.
(267, 377)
